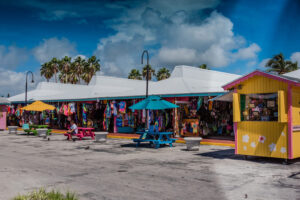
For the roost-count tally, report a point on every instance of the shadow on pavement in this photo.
(229, 154)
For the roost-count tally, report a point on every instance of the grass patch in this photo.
(42, 194)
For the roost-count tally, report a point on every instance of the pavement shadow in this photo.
(229, 154)
(143, 145)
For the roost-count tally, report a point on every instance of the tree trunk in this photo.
(55, 77)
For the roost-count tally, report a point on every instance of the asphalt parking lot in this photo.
(119, 170)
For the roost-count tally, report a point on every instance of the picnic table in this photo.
(82, 132)
(155, 138)
(38, 126)
(32, 129)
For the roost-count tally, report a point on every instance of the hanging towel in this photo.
(199, 103)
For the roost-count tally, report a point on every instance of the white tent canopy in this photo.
(184, 80)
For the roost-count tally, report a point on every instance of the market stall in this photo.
(266, 114)
(200, 116)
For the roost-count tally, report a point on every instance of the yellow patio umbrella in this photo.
(38, 106)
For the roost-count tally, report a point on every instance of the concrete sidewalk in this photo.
(119, 170)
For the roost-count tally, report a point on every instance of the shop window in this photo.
(259, 107)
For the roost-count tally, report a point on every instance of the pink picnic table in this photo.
(83, 132)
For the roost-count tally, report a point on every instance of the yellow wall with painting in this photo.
(296, 121)
(268, 139)
(262, 138)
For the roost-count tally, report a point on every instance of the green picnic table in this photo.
(31, 129)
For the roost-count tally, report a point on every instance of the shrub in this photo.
(42, 194)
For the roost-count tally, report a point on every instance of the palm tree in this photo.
(279, 65)
(46, 71)
(135, 74)
(163, 74)
(203, 66)
(78, 65)
(90, 69)
(73, 74)
(64, 68)
(151, 72)
(54, 64)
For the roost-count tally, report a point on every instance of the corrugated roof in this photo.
(183, 80)
(4, 101)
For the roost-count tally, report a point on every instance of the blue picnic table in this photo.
(155, 138)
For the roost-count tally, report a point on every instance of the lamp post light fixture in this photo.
(26, 85)
(147, 84)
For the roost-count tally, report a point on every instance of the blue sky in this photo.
(235, 36)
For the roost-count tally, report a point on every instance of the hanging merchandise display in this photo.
(84, 114)
(122, 107)
(203, 117)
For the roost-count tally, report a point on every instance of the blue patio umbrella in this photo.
(153, 103)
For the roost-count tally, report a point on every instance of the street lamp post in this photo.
(26, 85)
(147, 82)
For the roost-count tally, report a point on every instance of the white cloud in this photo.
(177, 55)
(263, 63)
(55, 15)
(14, 82)
(12, 56)
(172, 38)
(79, 55)
(54, 47)
(248, 52)
(295, 57)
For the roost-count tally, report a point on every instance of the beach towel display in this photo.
(199, 103)
(200, 117)
(72, 108)
(122, 107)
(84, 114)
(66, 113)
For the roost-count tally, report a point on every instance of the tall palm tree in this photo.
(162, 74)
(64, 68)
(54, 63)
(203, 66)
(90, 69)
(151, 72)
(78, 65)
(46, 71)
(135, 74)
(73, 74)
(279, 65)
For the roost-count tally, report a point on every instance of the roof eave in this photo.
(258, 73)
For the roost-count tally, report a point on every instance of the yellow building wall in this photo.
(268, 139)
(296, 121)
(296, 144)
(296, 107)
(261, 84)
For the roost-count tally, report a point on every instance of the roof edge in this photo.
(259, 73)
